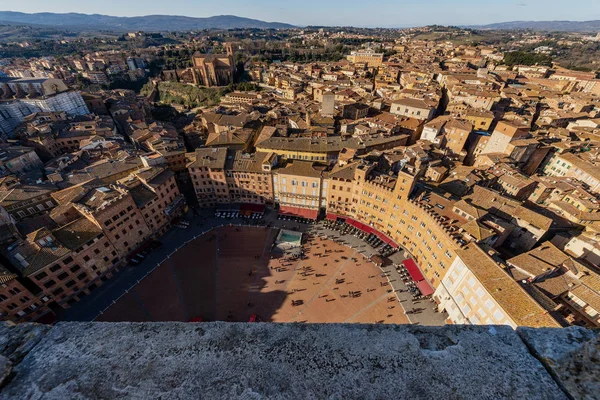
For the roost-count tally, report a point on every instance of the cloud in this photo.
(521, 4)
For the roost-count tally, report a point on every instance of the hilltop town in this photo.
(480, 163)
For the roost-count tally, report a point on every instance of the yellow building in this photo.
(432, 229)
(326, 150)
(481, 119)
(368, 57)
(298, 188)
(477, 291)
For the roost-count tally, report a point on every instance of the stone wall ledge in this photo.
(296, 361)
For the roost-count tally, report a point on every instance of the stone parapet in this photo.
(291, 361)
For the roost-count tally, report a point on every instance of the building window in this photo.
(498, 316)
(41, 276)
(49, 284)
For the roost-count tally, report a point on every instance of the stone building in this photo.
(64, 264)
(476, 291)
(504, 133)
(207, 171)
(18, 303)
(228, 176)
(113, 209)
(26, 200)
(299, 189)
(213, 69)
(18, 159)
(414, 108)
(367, 57)
(570, 285)
(99, 226)
(249, 178)
(457, 132)
(157, 196)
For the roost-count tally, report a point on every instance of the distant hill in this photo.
(563, 26)
(145, 23)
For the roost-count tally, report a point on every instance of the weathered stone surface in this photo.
(255, 361)
(5, 368)
(17, 340)
(571, 354)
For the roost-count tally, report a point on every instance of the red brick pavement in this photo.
(217, 285)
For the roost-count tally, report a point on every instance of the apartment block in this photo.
(366, 57)
(571, 165)
(221, 176)
(478, 291)
(113, 209)
(157, 197)
(503, 134)
(298, 188)
(413, 108)
(17, 302)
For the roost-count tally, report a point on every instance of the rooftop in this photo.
(329, 145)
(507, 293)
(301, 168)
(77, 233)
(210, 158)
(245, 162)
(540, 260)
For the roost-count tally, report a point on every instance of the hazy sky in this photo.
(333, 12)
